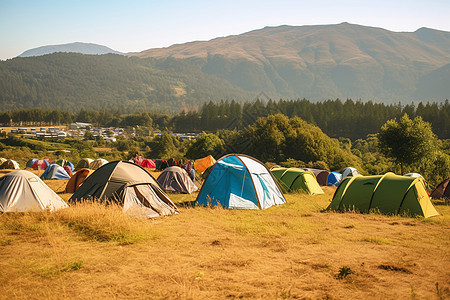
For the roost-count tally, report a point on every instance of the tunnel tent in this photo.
(296, 179)
(128, 185)
(388, 194)
(238, 181)
(23, 191)
(321, 175)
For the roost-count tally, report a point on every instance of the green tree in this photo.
(408, 142)
(206, 144)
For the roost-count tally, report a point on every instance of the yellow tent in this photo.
(200, 165)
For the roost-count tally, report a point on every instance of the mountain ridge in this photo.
(315, 62)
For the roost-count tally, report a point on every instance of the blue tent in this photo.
(55, 171)
(240, 181)
(31, 162)
(334, 178)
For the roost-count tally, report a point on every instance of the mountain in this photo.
(83, 48)
(321, 62)
(290, 62)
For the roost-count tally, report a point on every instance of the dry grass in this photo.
(291, 251)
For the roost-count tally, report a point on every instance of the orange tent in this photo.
(77, 179)
(200, 165)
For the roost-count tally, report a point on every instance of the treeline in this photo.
(349, 119)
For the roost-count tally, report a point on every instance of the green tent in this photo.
(295, 179)
(389, 194)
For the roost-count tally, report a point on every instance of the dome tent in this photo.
(129, 185)
(55, 171)
(40, 164)
(296, 179)
(31, 162)
(63, 162)
(176, 179)
(350, 172)
(201, 164)
(334, 178)
(84, 163)
(241, 182)
(77, 180)
(442, 190)
(389, 194)
(22, 191)
(10, 164)
(97, 163)
(148, 163)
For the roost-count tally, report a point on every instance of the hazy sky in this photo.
(139, 25)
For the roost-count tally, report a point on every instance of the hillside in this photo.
(83, 48)
(313, 62)
(321, 62)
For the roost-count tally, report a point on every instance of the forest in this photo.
(346, 119)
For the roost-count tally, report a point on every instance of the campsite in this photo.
(293, 250)
(225, 150)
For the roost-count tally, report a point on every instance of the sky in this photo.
(137, 25)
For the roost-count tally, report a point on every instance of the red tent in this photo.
(148, 163)
(40, 164)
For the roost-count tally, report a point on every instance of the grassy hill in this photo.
(290, 251)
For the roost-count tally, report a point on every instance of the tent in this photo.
(321, 175)
(22, 191)
(40, 164)
(55, 171)
(176, 179)
(84, 163)
(10, 164)
(129, 185)
(414, 175)
(148, 163)
(442, 190)
(241, 182)
(31, 162)
(350, 172)
(2, 160)
(77, 179)
(97, 163)
(200, 165)
(296, 179)
(63, 162)
(389, 194)
(334, 178)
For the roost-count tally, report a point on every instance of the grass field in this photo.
(89, 251)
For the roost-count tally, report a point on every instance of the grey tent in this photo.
(22, 191)
(176, 179)
(129, 185)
